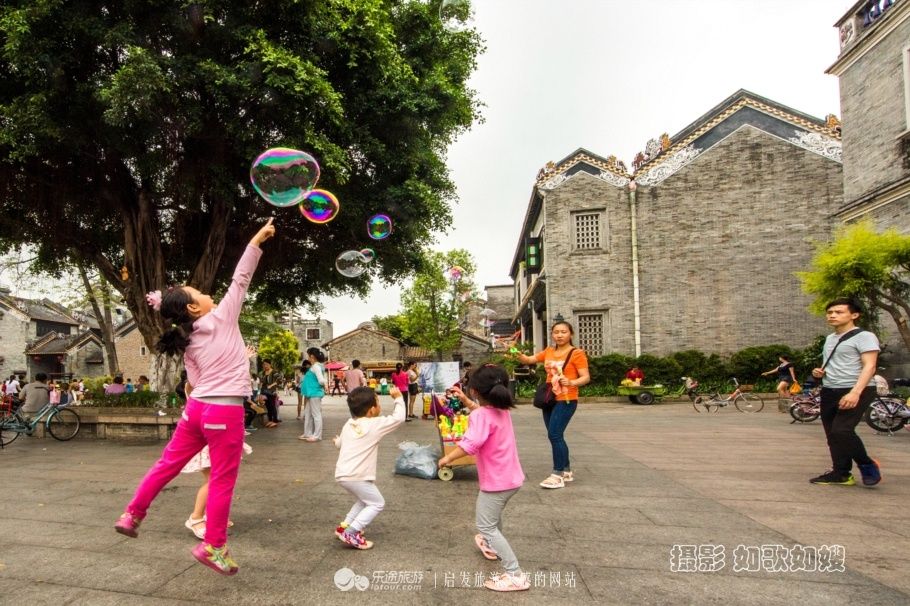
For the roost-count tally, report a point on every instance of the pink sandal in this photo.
(484, 547)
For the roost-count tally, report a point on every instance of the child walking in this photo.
(217, 368)
(356, 468)
(491, 439)
(203, 464)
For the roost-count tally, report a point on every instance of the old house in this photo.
(695, 249)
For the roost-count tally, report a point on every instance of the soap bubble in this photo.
(319, 206)
(351, 263)
(369, 254)
(456, 15)
(283, 176)
(379, 227)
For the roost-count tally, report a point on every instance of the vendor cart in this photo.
(448, 445)
(642, 394)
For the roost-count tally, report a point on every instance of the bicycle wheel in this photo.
(881, 417)
(63, 424)
(8, 433)
(706, 403)
(804, 411)
(748, 402)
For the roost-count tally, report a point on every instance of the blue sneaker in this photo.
(871, 473)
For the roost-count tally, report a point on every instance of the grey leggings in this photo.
(312, 418)
(489, 523)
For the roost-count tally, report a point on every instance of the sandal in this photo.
(195, 528)
(567, 476)
(554, 481)
(484, 547)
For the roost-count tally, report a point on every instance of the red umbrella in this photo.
(336, 366)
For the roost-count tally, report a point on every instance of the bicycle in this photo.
(806, 407)
(62, 423)
(887, 414)
(741, 397)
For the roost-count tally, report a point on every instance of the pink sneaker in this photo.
(356, 540)
(218, 559)
(128, 524)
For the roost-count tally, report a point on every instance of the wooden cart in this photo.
(642, 394)
(445, 473)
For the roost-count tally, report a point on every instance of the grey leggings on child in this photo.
(489, 523)
(369, 503)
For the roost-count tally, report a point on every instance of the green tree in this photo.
(436, 304)
(127, 131)
(282, 349)
(395, 325)
(257, 321)
(871, 267)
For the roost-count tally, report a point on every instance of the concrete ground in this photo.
(718, 486)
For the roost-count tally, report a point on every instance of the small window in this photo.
(591, 334)
(313, 334)
(588, 230)
(143, 351)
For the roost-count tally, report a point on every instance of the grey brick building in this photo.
(873, 69)
(694, 250)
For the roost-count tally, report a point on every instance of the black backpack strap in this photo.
(846, 337)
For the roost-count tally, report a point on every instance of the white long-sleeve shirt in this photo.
(358, 444)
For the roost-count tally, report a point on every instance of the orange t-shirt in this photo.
(579, 360)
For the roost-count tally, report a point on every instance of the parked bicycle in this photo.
(806, 407)
(59, 421)
(741, 397)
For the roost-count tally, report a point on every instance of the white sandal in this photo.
(554, 481)
(567, 476)
(194, 527)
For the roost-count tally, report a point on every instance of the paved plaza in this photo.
(648, 478)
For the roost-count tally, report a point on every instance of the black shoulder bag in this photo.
(544, 397)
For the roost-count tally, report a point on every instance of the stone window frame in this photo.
(143, 351)
(309, 336)
(604, 314)
(604, 247)
(905, 61)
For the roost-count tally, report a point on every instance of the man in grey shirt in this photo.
(850, 356)
(35, 395)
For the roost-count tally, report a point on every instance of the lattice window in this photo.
(313, 334)
(587, 231)
(591, 334)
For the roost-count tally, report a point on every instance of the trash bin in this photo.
(384, 389)
(513, 386)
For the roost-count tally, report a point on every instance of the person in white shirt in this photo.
(355, 471)
(12, 386)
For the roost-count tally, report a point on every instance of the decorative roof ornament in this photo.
(638, 161)
(652, 149)
(553, 183)
(669, 166)
(817, 143)
(846, 33)
(832, 123)
(613, 178)
(664, 142)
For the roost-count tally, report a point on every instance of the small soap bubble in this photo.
(379, 227)
(319, 206)
(351, 263)
(283, 176)
(456, 15)
(369, 254)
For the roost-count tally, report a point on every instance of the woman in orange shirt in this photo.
(557, 417)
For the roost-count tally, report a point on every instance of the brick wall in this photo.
(130, 355)
(14, 332)
(366, 345)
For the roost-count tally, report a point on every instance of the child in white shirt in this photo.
(356, 468)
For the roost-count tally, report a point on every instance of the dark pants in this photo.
(840, 428)
(557, 418)
(336, 387)
(271, 407)
(249, 415)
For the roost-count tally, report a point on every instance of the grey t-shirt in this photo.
(35, 395)
(846, 364)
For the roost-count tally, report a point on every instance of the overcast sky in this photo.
(607, 76)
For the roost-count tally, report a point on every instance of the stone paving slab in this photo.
(648, 478)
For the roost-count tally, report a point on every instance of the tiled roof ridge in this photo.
(611, 164)
(723, 115)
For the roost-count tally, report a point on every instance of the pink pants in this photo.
(219, 426)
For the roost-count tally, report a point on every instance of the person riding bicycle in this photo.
(35, 395)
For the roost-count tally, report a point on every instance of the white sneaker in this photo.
(554, 481)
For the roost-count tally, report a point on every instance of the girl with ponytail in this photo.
(218, 382)
(491, 439)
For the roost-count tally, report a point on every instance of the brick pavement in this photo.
(648, 478)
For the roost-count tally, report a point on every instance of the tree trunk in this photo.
(104, 321)
(900, 320)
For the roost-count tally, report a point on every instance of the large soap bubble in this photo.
(379, 227)
(456, 15)
(351, 263)
(283, 176)
(319, 206)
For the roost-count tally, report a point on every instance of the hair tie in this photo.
(154, 299)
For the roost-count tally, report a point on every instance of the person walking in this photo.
(786, 376)
(850, 358)
(413, 388)
(354, 377)
(217, 368)
(567, 370)
(400, 380)
(313, 390)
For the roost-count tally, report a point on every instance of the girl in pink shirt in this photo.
(218, 381)
(491, 439)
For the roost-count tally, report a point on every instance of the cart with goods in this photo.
(451, 428)
(641, 394)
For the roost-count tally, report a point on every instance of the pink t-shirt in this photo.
(491, 439)
(216, 359)
(400, 380)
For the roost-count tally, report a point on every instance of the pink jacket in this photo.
(491, 439)
(216, 359)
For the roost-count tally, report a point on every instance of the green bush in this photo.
(138, 399)
(748, 364)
